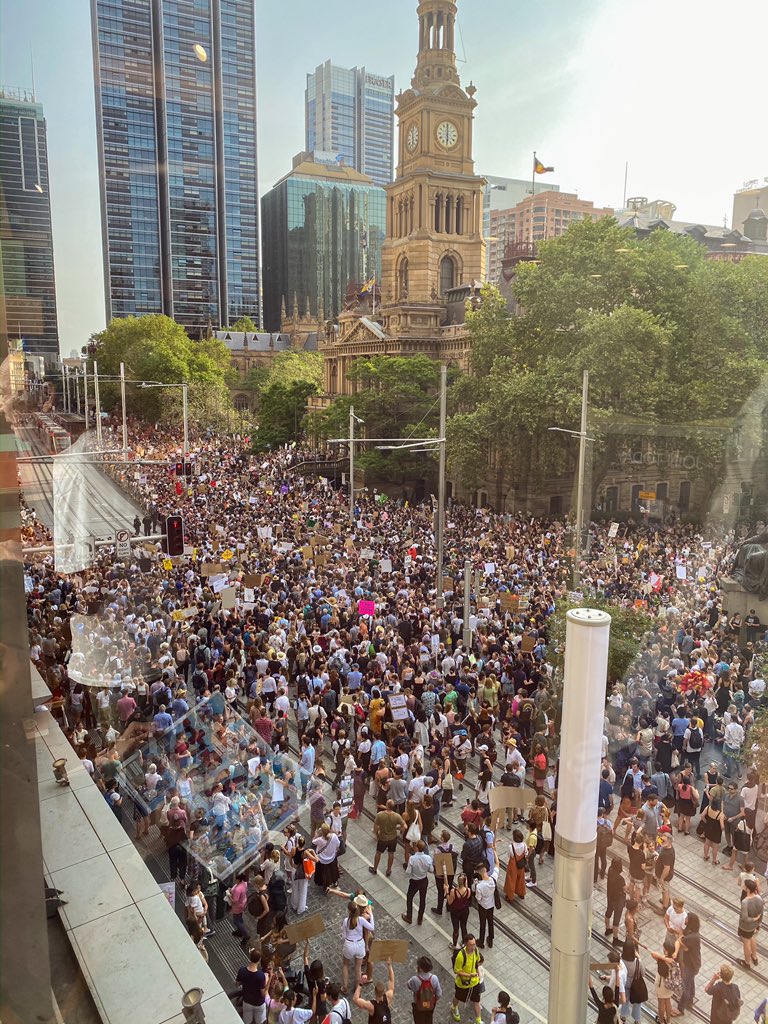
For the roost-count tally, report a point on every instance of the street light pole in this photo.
(578, 545)
(65, 389)
(184, 412)
(586, 662)
(97, 403)
(467, 605)
(85, 392)
(441, 488)
(122, 399)
(351, 464)
(77, 390)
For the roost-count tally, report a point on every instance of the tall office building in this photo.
(27, 285)
(323, 226)
(500, 196)
(350, 112)
(176, 128)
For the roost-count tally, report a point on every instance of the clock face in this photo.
(447, 134)
(413, 137)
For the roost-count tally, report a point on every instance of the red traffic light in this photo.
(174, 532)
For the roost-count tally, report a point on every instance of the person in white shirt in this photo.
(282, 703)
(733, 739)
(486, 895)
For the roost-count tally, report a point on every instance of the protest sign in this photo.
(366, 607)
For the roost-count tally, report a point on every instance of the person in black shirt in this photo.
(689, 959)
(253, 982)
(607, 1012)
(378, 1009)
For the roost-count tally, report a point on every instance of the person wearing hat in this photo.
(358, 921)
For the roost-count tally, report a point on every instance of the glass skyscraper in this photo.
(176, 127)
(27, 285)
(350, 112)
(323, 227)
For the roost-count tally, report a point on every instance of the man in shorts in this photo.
(664, 868)
(466, 978)
(388, 826)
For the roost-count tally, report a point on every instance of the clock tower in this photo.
(434, 236)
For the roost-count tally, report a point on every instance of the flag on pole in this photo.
(539, 168)
(368, 286)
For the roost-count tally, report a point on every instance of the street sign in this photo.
(123, 544)
(647, 495)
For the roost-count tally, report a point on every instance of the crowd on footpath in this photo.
(365, 700)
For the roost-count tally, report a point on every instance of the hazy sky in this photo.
(675, 87)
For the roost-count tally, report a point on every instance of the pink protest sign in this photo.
(366, 607)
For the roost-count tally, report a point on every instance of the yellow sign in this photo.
(167, 563)
(647, 495)
(226, 555)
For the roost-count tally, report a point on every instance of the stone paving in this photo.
(518, 962)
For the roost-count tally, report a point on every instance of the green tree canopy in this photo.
(282, 410)
(396, 397)
(156, 348)
(669, 338)
(244, 324)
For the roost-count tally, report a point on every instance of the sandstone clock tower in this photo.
(435, 205)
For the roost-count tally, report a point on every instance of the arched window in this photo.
(402, 278)
(447, 274)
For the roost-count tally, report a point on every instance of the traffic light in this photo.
(184, 469)
(174, 533)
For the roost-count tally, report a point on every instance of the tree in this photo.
(396, 396)
(669, 339)
(281, 413)
(156, 348)
(244, 324)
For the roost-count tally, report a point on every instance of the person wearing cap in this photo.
(358, 921)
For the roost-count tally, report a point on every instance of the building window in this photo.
(611, 499)
(635, 499)
(662, 492)
(685, 495)
(402, 278)
(555, 504)
(447, 274)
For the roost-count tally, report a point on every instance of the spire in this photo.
(283, 312)
(436, 62)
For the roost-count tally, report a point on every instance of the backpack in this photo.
(426, 999)
(342, 1012)
(695, 740)
(277, 893)
(730, 1006)
(511, 1016)
(604, 836)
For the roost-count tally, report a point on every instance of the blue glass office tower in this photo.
(176, 130)
(323, 228)
(27, 285)
(350, 112)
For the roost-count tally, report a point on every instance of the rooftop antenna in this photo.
(461, 60)
(32, 65)
(626, 172)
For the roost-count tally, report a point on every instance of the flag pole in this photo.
(533, 174)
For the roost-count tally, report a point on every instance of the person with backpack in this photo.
(466, 978)
(277, 891)
(378, 1008)
(340, 1011)
(503, 1013)
(426, 989)
(726, 996)
(693, 741)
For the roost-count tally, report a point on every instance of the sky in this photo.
(671, 87)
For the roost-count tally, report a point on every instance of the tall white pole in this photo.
(351, 464)
(467, 604)
(66, 387)
(441, 487)
(184, 411)
(97, 403)
(122, 399)
(579, 538)
(586, 663)
(85, 393)
(77, 390)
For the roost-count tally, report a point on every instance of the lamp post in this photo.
(467, 637)
(351, 465)
(586, 662)
(85, 393)
(122, 399)
(583, 438)
(440, 601)
(97, 403)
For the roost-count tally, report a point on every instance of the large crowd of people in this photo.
(293, 670)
